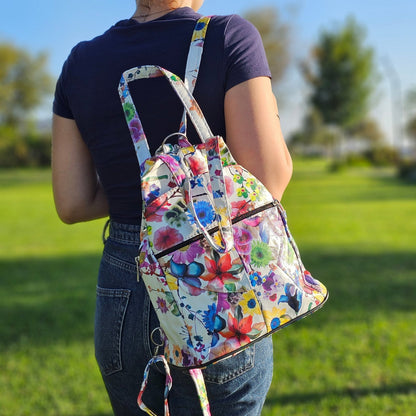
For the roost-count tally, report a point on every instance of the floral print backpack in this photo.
(219, 263)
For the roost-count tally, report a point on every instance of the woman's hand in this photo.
(254, 135)
(77, 190)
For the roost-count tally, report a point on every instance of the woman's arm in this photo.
(254, 135)
(77, 191)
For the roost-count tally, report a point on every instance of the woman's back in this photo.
(87, 90)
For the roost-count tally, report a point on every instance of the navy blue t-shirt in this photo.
(87, 90)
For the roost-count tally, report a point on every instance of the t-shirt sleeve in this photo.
(61, 105)
(245, 56)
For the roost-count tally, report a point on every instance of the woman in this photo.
(95, 174)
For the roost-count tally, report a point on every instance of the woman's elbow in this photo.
(67, 214)
(69, 210)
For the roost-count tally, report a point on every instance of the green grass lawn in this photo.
(356, 232)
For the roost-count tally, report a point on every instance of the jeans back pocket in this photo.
(111, 308)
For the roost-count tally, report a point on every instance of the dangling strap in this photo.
(194, 60)
(135, 126)
(168, 385)
(197, 378)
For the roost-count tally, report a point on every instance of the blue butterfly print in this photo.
(293, 297)
(188, 274)
(218, 194)
(197, 182)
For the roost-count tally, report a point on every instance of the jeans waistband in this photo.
(122, 233)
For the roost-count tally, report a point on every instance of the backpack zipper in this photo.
(215, 229)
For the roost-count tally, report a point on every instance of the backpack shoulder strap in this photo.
(194, 60)
(192, 68)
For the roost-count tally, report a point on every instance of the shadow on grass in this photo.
(49, 300)
(354, 393)
(45, 301)
(362, 284)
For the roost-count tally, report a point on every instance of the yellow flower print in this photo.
(275, 317)
(238, 178)
(251, 183)
(172, 282)
(242, 192)
(222, 213)
(249, 304)
(253, 196)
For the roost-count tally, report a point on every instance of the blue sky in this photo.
(56, 25)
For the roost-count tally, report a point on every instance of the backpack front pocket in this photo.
(214, 296)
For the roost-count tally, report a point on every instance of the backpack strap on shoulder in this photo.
(194, 60)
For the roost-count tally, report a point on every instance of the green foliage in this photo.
(343, 74)
(24, 82)
(367, 130)
(378, 156)
(411, 127)
(383, 155)
(407, 170)
(355, 231)
(275, 36)
(24, 148)
(314, 134)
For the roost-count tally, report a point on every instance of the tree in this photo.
(315, 136)
(342, 75)
(369, 131)
(411, 128)
(24, 82)
(275, 36)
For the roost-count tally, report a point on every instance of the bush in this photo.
(382, 156)
(407, 170)
(23, 150)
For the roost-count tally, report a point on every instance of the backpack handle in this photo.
(217, 196)
(132, 117)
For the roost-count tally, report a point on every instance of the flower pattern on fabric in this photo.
(260, 254)
(224, 281)
(276, 317)
(221, 272)
(129, 111)
(166, 237)
(204, 212)
(188, 254)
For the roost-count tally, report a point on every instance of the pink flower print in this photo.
(229, 186)
(162, 305)
(136, 130)
(239, 208)
(242, 240)
(155, 211)
(188, 254)
(197, 165)
(222, 303)
(166, 237)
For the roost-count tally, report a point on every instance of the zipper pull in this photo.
(137, 260)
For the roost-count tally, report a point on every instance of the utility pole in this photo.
(395, 101)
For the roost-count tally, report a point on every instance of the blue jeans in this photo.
(123, 324)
